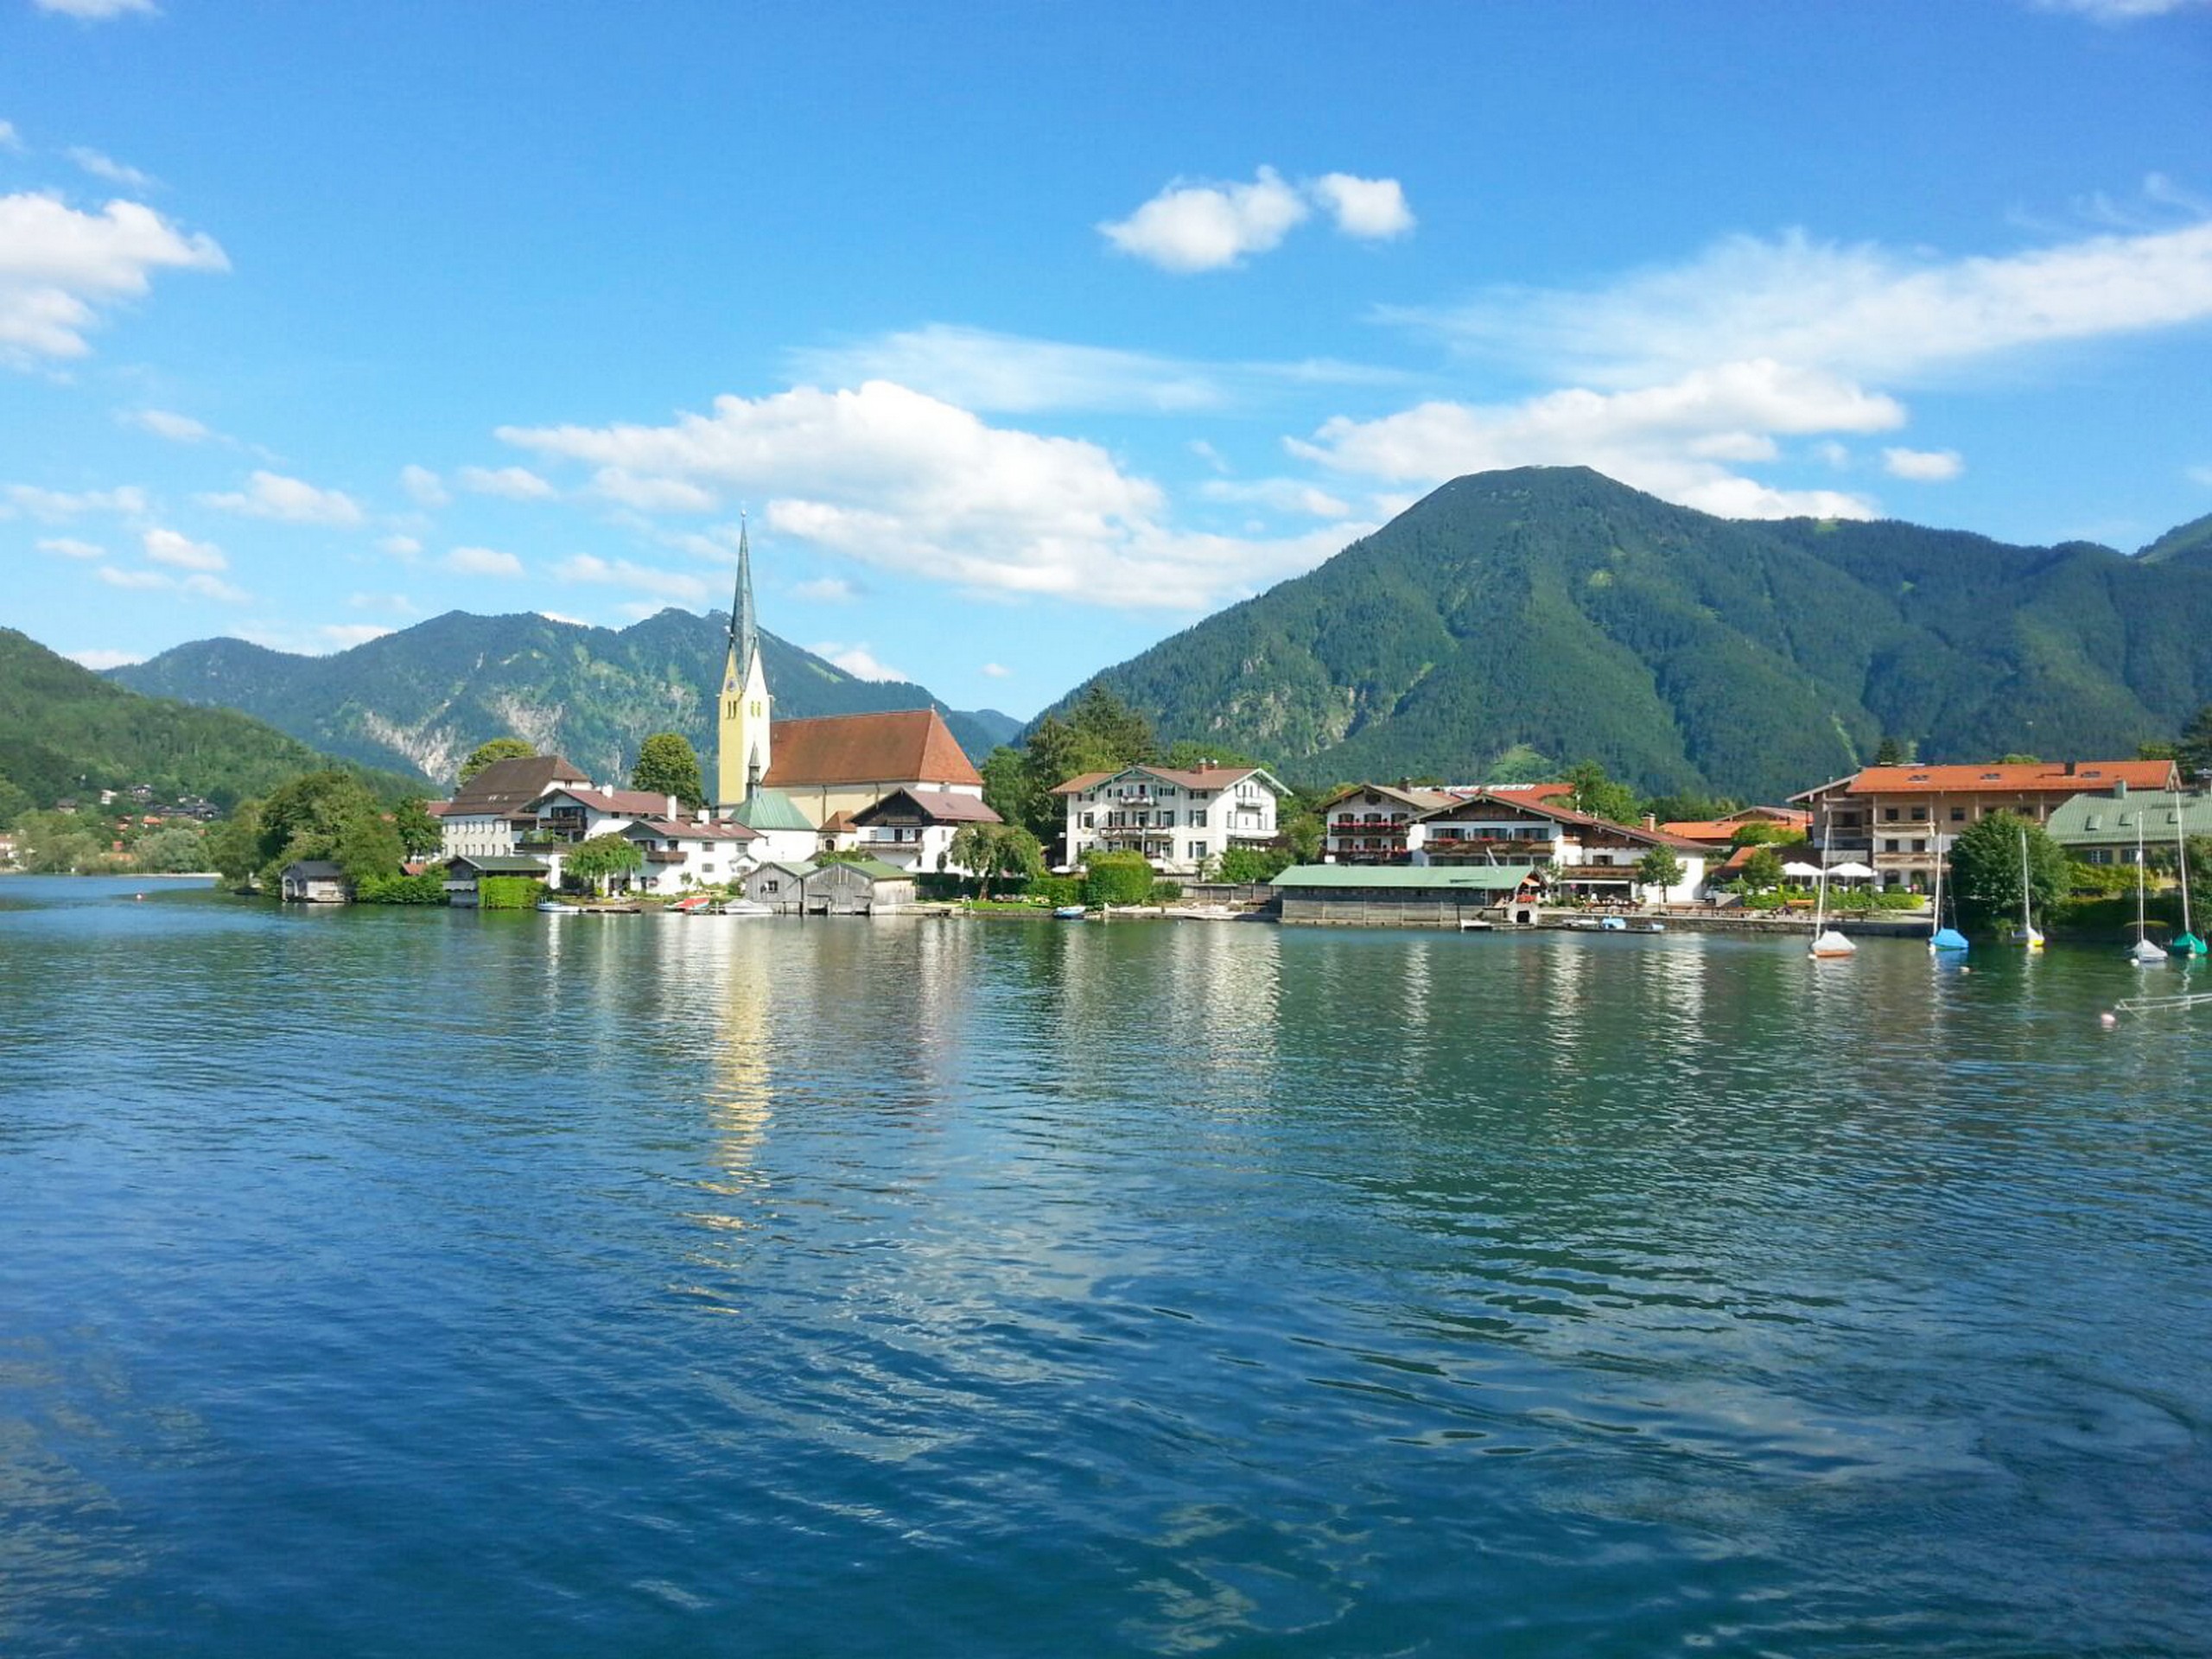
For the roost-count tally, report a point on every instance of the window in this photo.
(1958, 815)
(1919, 845)
(1889, 815)
(1889, 846)
(1920, 815)
(1198, 817)
(1198, 850)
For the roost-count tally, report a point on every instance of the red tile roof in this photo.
(1544, 807)
(2039, 778)
(939, 805)
(912, 745)
(508, 786)
(1726, 828)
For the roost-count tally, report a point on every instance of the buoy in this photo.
(2107, 1018)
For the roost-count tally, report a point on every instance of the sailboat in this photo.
(2025, 933)
(1940, 938)
(2142, 952)
(2188, 944)
(1827, 942)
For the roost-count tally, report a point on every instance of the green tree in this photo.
(420, 834)
(1010, 790)
(499, 748)
(1893, 752)
(235, 845)
(2193, 753)
(58, 843)
(2015, 759)
(2156, 750)
(667, 764)
(1116, 879)
(1985, 875)
(1121, 734)
(1302, 834)
(14, 802)
(1762, 871)
(595, 861)
(1244, 864)
(1188, 756)
(367, 847)
(2200, 883)
(995, 851)
(1760, 833)
(308, 816)
(1660, 868)
(1600, 797)
(175, 847)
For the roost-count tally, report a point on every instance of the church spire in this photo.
(744, 632)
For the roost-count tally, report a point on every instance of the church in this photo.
(878, 781)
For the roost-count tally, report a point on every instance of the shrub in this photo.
(1165, 893)
(508, 891)
(1056, 890)
(1116, 879)
(427, 888)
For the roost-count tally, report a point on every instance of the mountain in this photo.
(422, 698)
(65, 731)
(2192, 541)
(1554, 608)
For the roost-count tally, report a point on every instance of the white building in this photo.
(911, 829)
(1574, 851)
(680, 855)
(1183, 820)
(494, 811)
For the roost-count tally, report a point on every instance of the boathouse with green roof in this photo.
(1379, 895)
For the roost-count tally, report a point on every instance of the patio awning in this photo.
(1850, 871)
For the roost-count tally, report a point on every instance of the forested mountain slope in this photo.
(423, 697)
(1554, 608)
(65, 732)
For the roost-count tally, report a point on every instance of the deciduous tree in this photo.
(594, 861)
(1660, 868)
(499, 748)
(1985, 875)
(667, 764)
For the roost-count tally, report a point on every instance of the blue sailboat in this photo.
(1941, 939)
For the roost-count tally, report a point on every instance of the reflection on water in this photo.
(386, 1281)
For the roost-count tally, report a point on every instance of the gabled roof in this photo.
(1566, 815)
(510, 785)
(671, 830)
(1443, 877)
(2037, 778)
(911, 746)
(938, 805)
(615, 803)
(764, 809)
(313, 869)
(1198, 778)
(1724, 829)
(799, 867)
(2110, 820)
(875, 868)
(499, 864)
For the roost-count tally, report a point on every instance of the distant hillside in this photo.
(1552, 607)
(423, 697)
(65, 731)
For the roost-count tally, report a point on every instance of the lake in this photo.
(424, 1282)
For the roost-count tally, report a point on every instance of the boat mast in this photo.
(2181, 855)
(2027, 916)
(2142, 921)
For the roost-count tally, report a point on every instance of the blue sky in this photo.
(1029, 336)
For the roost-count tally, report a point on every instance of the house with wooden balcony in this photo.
(1578, 856)
(1181, 820)
(1380, 823)
(1901, 820)
(911, 828)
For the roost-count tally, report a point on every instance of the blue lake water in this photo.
(397, 1282)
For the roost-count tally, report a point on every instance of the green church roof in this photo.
(764, 809)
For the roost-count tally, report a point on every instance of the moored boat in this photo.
(1068, 912)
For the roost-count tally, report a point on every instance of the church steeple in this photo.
(743, 725)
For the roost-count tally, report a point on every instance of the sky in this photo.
(1021, 338)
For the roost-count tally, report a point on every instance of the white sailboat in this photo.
(2142, 952)
(1942, 940)
(1827, 942)
(2025, 934)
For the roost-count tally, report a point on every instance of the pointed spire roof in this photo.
(744, 627)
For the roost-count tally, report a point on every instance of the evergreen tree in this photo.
(1893, 752)
(1113, 729)
(2193, 754)
(668, 765)
(499, 748)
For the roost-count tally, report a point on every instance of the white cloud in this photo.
(164, 424)
(168, 547)
(116, 576)
(2118, 11)
(129, 501)
(996, 671)
(1371, 209)
(1862, 311)
(215, 587)
(106, 167)
(291, 500)
(483, 562)
(889, 477)
(858, 661)
(824, 590)
(10, 140)
(98, 11)
(58, 266)
(621, 573)
(1189, 227)
(515, 483)
(1923, 466)
(69, 547)
(424, 485)
(397, 603)
(2201, 475)
(1013, 374)
(652, 494)
(1650, 438)
(402, 547)
(1277, 495)
(98, 657)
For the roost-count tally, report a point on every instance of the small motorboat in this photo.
(554, 907)
(1476, 925)
(1612, 925)
(741, 907)
(1647, 927)
(1068, 912)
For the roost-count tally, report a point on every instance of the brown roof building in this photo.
(844, 763)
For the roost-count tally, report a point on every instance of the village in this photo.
(876, 814)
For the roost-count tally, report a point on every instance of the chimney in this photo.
(1651, 820)
(675, 806)
(2118, 788)
(2069, 768)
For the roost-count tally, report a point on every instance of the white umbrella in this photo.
(1795, 871)
(1850, 873)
